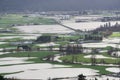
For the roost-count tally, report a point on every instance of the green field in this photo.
(101, 69)
(115, 34)
(80, 58)
(5, 45)
(40, 55)
(9, 20)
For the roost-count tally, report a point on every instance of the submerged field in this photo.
(36, 57)
(43, 29)
(22, 63)
(82, 58)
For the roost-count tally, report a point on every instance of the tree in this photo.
(1, 77)
(95, 51)
(119, 67)
(73, 58)
(81, 77)
(102, 61)
(96, 78)
(93, 60)
(110, 50)
(60, 48)
(50, 47)
(43, 39)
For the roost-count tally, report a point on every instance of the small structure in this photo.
(71, 48)
(23, 47)
(93, 60)
(116, 53)
(5, 31)
(81, 77)
(46, 38)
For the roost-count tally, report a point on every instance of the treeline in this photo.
(108, 27)
(3, 78)
(93, 37)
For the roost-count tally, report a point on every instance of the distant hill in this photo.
(58, 5)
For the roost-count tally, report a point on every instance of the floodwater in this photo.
(87, 25)
(60, 29)
(40, 70)
(47, 44)
(3, 42)
(46, 70)
(113, 69)
(44, 74)
(113, 42)
(21, 37)
(43, 29)
(98, 45)
(99, 56)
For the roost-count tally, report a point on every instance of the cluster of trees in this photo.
(93, 37)
(71, 49)
(81, 77)
(46, 38)
(43, 39)
(108, 29)
(50, 57)
(3, 78)
(24, 47)
(110, 50)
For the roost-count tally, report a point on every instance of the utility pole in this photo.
(117, 56)
(93, 58)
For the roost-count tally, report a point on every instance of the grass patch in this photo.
(5, 45)
(62, 42)
(18, 19)
(39, 55)
(16, 64)
(68, 38)
(11, 73)
(101, 69)
(115, 34)
(9, 35)
(31, 54)
(13, 40)
(80, 58)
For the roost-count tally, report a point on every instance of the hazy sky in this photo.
(45, 5)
